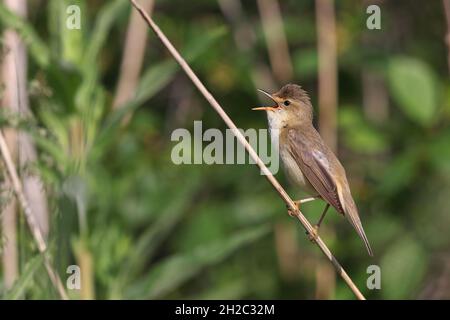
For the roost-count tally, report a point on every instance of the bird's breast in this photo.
(277, 123)
(293, 172)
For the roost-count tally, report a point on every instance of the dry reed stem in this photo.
(10, 101)
(10, 252)
(30, 218)
(14, 73)
(133, 57)
(245, 39)
(277, 45)
(240, 137)
(327, 52)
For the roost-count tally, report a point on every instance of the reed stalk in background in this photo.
(446, 4)
(30, 217)
(29, 191)
(277, 45)
(245, 39)
(328, 99)
(326, 47)
(133, 57)
(13, 55)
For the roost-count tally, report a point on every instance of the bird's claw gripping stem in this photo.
(291, 212)
(297, 203)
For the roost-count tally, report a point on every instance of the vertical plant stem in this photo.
(272, 22)
(447, 37)
(240, 137)
(10, 100)
(84, 260)
(32, 184)
(9, 237)
(29, 216)
(245, 38)
(14, 76)
(326, 34)
(133, 56)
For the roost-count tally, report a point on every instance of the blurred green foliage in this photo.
(152, 229)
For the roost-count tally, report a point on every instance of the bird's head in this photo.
(292, 105)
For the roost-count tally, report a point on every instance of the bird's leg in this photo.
(298, 202)
(316, 227)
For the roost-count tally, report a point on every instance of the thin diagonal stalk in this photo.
(31, 220)
(240, 137)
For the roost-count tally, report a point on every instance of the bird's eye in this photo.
(286, 102)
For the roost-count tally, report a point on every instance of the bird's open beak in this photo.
(271, 108)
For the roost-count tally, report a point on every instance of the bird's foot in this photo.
(297, 203)
(312, 236)
(291, 212)
(308, 199)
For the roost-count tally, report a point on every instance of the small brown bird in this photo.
(308, 162)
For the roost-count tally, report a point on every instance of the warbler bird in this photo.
(308, 162)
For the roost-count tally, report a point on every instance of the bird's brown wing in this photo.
(315, 167)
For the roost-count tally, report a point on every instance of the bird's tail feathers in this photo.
(353, 217)
(351, 212)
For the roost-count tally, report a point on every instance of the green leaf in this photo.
(175, 271)
(21, 284)
(359, 135)
(63, 79)
(38, 49)
(413, 87)
(399, 174)
(402, 269)
(153, 80)
(53, 149)
(106, 17)
(89, 88)
(76, 189)
(66, 43)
